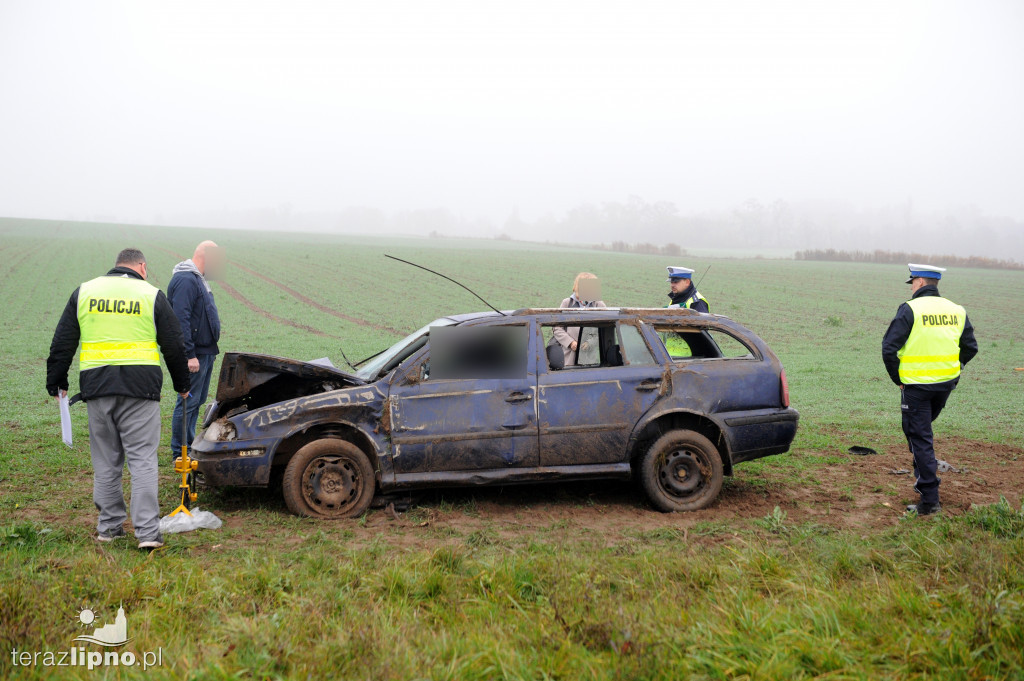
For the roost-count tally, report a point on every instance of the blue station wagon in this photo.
(669, 397)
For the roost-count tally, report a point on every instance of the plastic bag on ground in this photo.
(183, 522)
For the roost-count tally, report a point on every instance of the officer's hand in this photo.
(60, 394)
(185, 396)
(193, 365)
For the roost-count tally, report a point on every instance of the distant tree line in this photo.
(645, 248)
(774, 229)
(904, 257)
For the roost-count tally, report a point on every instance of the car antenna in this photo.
(449, 279)
(344, 357)
(702, 277)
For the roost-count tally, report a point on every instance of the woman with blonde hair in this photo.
(586, 291)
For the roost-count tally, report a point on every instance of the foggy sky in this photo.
(140, 110)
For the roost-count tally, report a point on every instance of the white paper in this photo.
(65, 419)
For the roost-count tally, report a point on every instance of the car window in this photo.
(384, 361)
(494, 351)
(597, 345)
(730, 347)
(686, 343)
(634, 349)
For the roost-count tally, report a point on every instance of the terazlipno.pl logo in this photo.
(109, 637)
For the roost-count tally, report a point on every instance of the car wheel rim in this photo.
(329, 484)
(683, 473)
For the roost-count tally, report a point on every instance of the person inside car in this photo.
(586, 292)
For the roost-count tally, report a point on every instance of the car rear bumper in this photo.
(759, 433)
(242, 463)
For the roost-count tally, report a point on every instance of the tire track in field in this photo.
(323, 308)
(16, 261)
(231, 291)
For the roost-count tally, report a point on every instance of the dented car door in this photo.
(587, 413)
(460, 424)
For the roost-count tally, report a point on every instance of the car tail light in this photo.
(784, 388)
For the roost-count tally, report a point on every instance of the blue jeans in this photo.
(200, 389)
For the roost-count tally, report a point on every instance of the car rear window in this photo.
(686, 343)
(730, 346)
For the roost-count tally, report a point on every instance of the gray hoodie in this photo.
(189, 266)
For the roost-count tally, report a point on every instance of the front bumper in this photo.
(234, 463)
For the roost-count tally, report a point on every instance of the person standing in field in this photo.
(120, 321)
(192, 300)
(586, 292)
(924, 350)
(683, 293)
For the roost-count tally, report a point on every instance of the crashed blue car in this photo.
(670, 398)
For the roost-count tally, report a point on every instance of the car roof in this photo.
(468, 316)
(653, 313)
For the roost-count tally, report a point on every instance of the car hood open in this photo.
(242, 374)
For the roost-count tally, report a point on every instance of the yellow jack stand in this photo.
(185, 465)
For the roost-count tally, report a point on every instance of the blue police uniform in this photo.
(927, 344)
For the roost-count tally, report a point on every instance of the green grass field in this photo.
(803, 569)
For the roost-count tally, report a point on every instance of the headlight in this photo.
(220, 431)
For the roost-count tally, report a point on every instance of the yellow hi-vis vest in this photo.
(116, 317)
(675, 345)
(932, 352)
(689, 301)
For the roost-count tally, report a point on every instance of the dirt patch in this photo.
(860, 493)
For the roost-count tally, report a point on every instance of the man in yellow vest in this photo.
(927, 344)
(121, 321)
(683, 293)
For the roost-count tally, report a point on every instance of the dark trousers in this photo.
(200, 390)
(920, 407)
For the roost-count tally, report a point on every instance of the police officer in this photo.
(682, 291)
(927, 344)
(685, 295)
(121, 321)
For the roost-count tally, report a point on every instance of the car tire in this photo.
(329, 479)
(682, 471)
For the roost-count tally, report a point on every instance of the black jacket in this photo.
(131, 380)
(681, 298)
(196, 312)
(899, 331)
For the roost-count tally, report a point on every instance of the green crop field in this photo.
(804, 567)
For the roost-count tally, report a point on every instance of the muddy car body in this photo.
(629, 407)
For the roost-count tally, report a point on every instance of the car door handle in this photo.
(518, 397)
(648, 385)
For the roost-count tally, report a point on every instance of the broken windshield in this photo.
(393, 356)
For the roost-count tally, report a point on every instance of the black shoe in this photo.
(924, 509)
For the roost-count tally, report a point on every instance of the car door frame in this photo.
(594, 441)
(424, 451)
